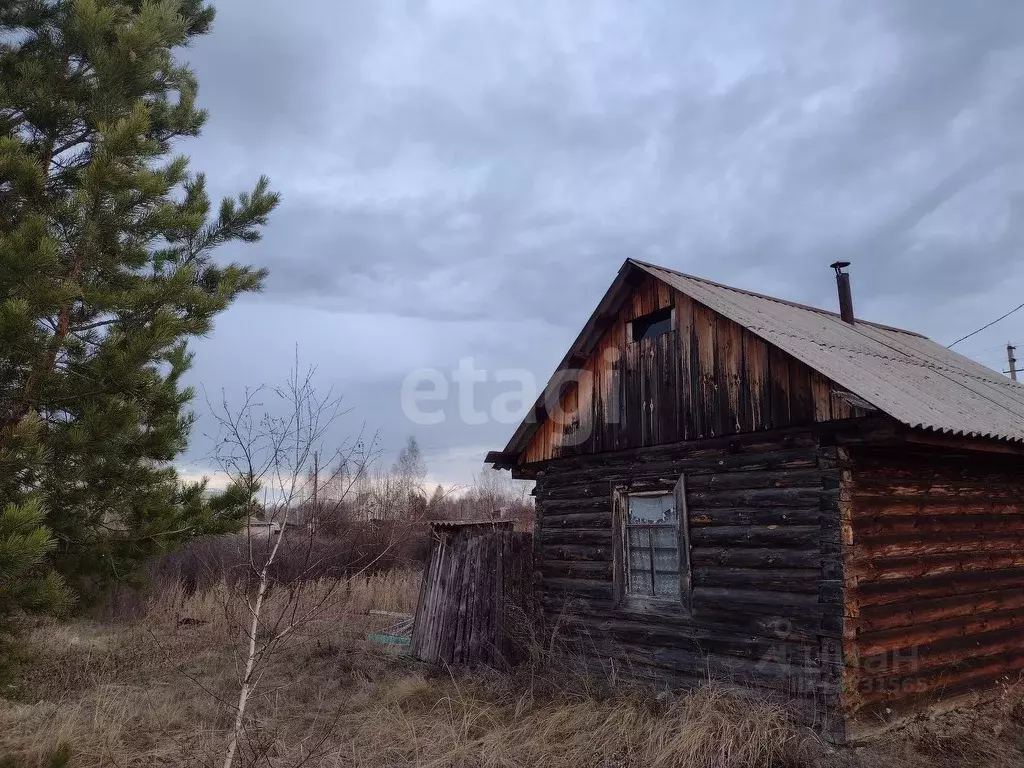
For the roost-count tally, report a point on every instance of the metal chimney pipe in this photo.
(845, 294)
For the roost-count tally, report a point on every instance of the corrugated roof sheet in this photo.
(913, 379)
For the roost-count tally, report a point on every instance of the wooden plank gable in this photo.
(706, 377)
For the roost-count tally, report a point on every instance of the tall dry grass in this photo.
(210, 564)
(155, 692)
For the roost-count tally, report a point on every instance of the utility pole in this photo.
(1010, 349)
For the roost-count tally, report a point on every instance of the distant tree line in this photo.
(353, 491)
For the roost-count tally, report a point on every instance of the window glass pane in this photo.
(652, 509)
(666, 561)
(652, 325)
(666, 584)
(652, 544)
(639, 540)
(666, 549)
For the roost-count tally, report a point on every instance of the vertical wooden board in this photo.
(666, 293)
(420, 631)
(595, 414)
(821, 396)
(478, 646)
(498, 609)
(778, 371)
(800, 393)
(459, 639)
(667, 376)
(500, 632)
(534, 449)
(425, 632)
(526, 579)
(612, 364)
(518, 550)
(484, 601)
(840, 408)
(705, 336)
(632, 397)
(684, 373)
(512, 595)
(551, 427)
(747, 420)
(445, 613)
(634, 304)
(755, 356)
(566, 422)
(650, 302)
(466, 618)
(441, 596)
(449, 597)
(685, 566)
(469, 634)
(618, 502)
(617, 385)
(434, 600)
(490, 639)
(648, 389)
(730, 354)
(584, 396)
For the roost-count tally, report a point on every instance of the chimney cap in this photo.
(839, 266)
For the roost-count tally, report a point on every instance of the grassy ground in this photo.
(159, 692)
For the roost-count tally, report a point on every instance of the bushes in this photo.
(206, 563)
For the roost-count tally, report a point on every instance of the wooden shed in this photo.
(739, 487)
(475, 595)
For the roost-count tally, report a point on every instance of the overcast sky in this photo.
(463, 179)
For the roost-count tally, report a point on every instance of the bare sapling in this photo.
(273, 444)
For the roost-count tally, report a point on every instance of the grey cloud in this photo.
(476, 162)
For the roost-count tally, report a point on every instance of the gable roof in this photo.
(911, 378)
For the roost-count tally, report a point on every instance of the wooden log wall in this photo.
(708, 377)
(934, 571)
(476, 594)
(765, 553)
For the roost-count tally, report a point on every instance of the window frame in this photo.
(671, 326)
(620, 505)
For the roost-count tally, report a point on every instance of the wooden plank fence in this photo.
(477, 595)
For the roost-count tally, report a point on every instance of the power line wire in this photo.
(989, 325)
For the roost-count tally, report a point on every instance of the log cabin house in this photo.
(737, 487)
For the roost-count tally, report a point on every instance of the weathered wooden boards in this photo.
(476, 593)
(765, 552)
(934, 572)
(708, 377)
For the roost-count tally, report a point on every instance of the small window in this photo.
(652, 325)
(652, 546)
(652, 542)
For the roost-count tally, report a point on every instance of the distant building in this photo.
(263, 528)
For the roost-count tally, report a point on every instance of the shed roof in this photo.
(455, 525)
(913, 379)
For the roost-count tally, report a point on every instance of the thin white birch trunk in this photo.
(250, 662)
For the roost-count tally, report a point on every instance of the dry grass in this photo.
(152, 693)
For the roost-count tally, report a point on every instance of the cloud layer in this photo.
(463, 178)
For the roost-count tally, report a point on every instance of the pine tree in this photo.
(26, 579)
(106, 272)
